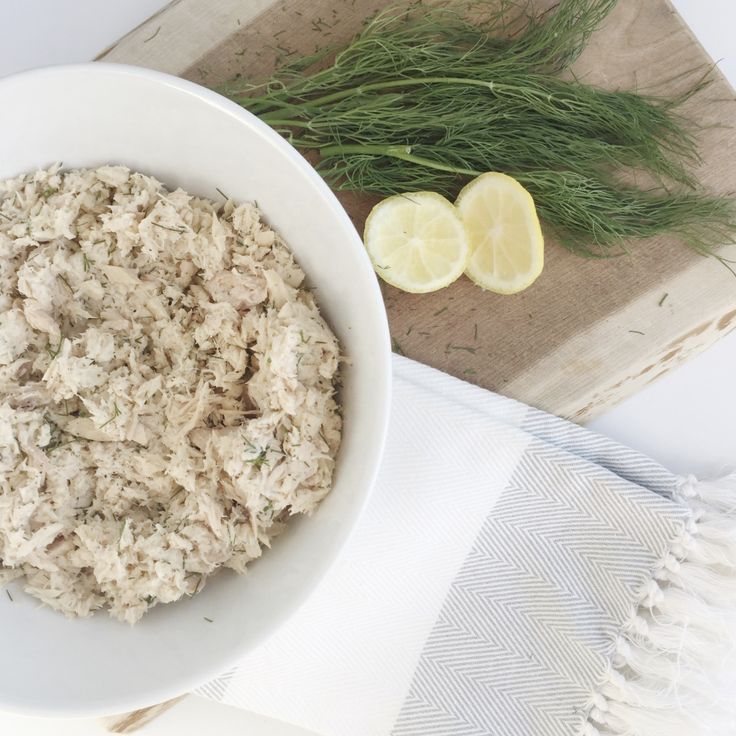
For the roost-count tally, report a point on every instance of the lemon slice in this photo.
(416, 241)
(505, 239)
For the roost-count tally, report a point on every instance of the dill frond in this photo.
(427, 97)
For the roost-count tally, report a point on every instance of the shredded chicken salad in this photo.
(167, 389)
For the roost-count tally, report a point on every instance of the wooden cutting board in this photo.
(587, 333)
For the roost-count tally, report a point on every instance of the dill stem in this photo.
(390, 84)
(402, 152)
(262, 106)
(286, 122)
(396, 83)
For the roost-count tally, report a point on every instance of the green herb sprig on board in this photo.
(427, 97)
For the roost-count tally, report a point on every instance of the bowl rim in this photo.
(381, 389)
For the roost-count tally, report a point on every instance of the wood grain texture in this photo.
(571, 343)
(136, 719)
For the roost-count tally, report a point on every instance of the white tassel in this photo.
(630, 720)
(589, 729)
(705, 552)
(681, 609)
(719, 494)
(707, 582)
(673, 671)
(675, 638)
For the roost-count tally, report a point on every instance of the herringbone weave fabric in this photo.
(484, 589)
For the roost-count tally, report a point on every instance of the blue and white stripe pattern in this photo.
(486, 590)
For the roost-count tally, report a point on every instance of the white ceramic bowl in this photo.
(187, 136)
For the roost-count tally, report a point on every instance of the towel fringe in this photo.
(673, 668)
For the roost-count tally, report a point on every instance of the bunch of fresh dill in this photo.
(426, 97)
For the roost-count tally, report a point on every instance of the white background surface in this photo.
(687, 419)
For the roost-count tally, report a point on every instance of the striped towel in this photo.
(514, 574)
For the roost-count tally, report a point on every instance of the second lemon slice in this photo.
(416, 241)
(503, 231)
